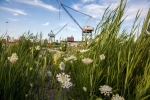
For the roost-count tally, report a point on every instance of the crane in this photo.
(85, 29)
(52, 35)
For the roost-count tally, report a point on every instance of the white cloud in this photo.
(70, 28)
(38, 3)
(132, 10)
(84, 1)
(94, 10)
(15, 14)
(46, 24)
(62, 24)
(13, 19)
(76, 6)
(14, 11)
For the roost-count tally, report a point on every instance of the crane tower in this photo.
(86, 30)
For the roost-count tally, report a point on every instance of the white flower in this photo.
(102, 57)
(73, 57)
(66, 84)
(37, 47)
(31, 68)
(64, 79)
(106, 90)
(70, 58)
(49, 73)
(40, 56)
(82, 51)
(31, 84)
(51, 50)
(87, 60)
(117, 97)
(67, 59)
(71, 61)
(84, 89)
(62, 66)
(13, 57)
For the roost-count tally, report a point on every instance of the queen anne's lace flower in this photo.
(102, 57)
(66, 84)
(70, 58)
(73, 57)
(62, 66)
(87, 60)
(117, 97)
(82, 51)
(106, 90)
(64, 79)
(13, 57)
(84, 89)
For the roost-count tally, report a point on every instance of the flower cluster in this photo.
(64, 79)
(13, 57)
(82, 51)
(84, 89)
(102, 57)
(72, 57)
(62, 66)
(106, 90)
(117, 97)
(87, 60)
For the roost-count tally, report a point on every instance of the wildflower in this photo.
(66, 84)
(84, 89)
(106, 90)
(71, 61)
(37, 47)
(70, 58)
(73, 57)
(62, 66)
(26, 95)
(66, 59)
(117, 97)
(51, 50)
(102, 57)
(31, 84)
(49, 73)
(31, 68)
(40, 56)
(87, 60)
(82, 51)
(13, 57)
(64, 79)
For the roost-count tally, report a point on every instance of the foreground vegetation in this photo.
(114, 66)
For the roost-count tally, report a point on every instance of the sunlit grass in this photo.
(115, 64)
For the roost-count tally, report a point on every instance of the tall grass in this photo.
(126, 67)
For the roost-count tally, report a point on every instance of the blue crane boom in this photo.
(63, 6)
(52, 33)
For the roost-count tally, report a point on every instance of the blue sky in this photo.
(43, 15)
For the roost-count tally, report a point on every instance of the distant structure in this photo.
(52, 35)
(70, 39)
(86, 30)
